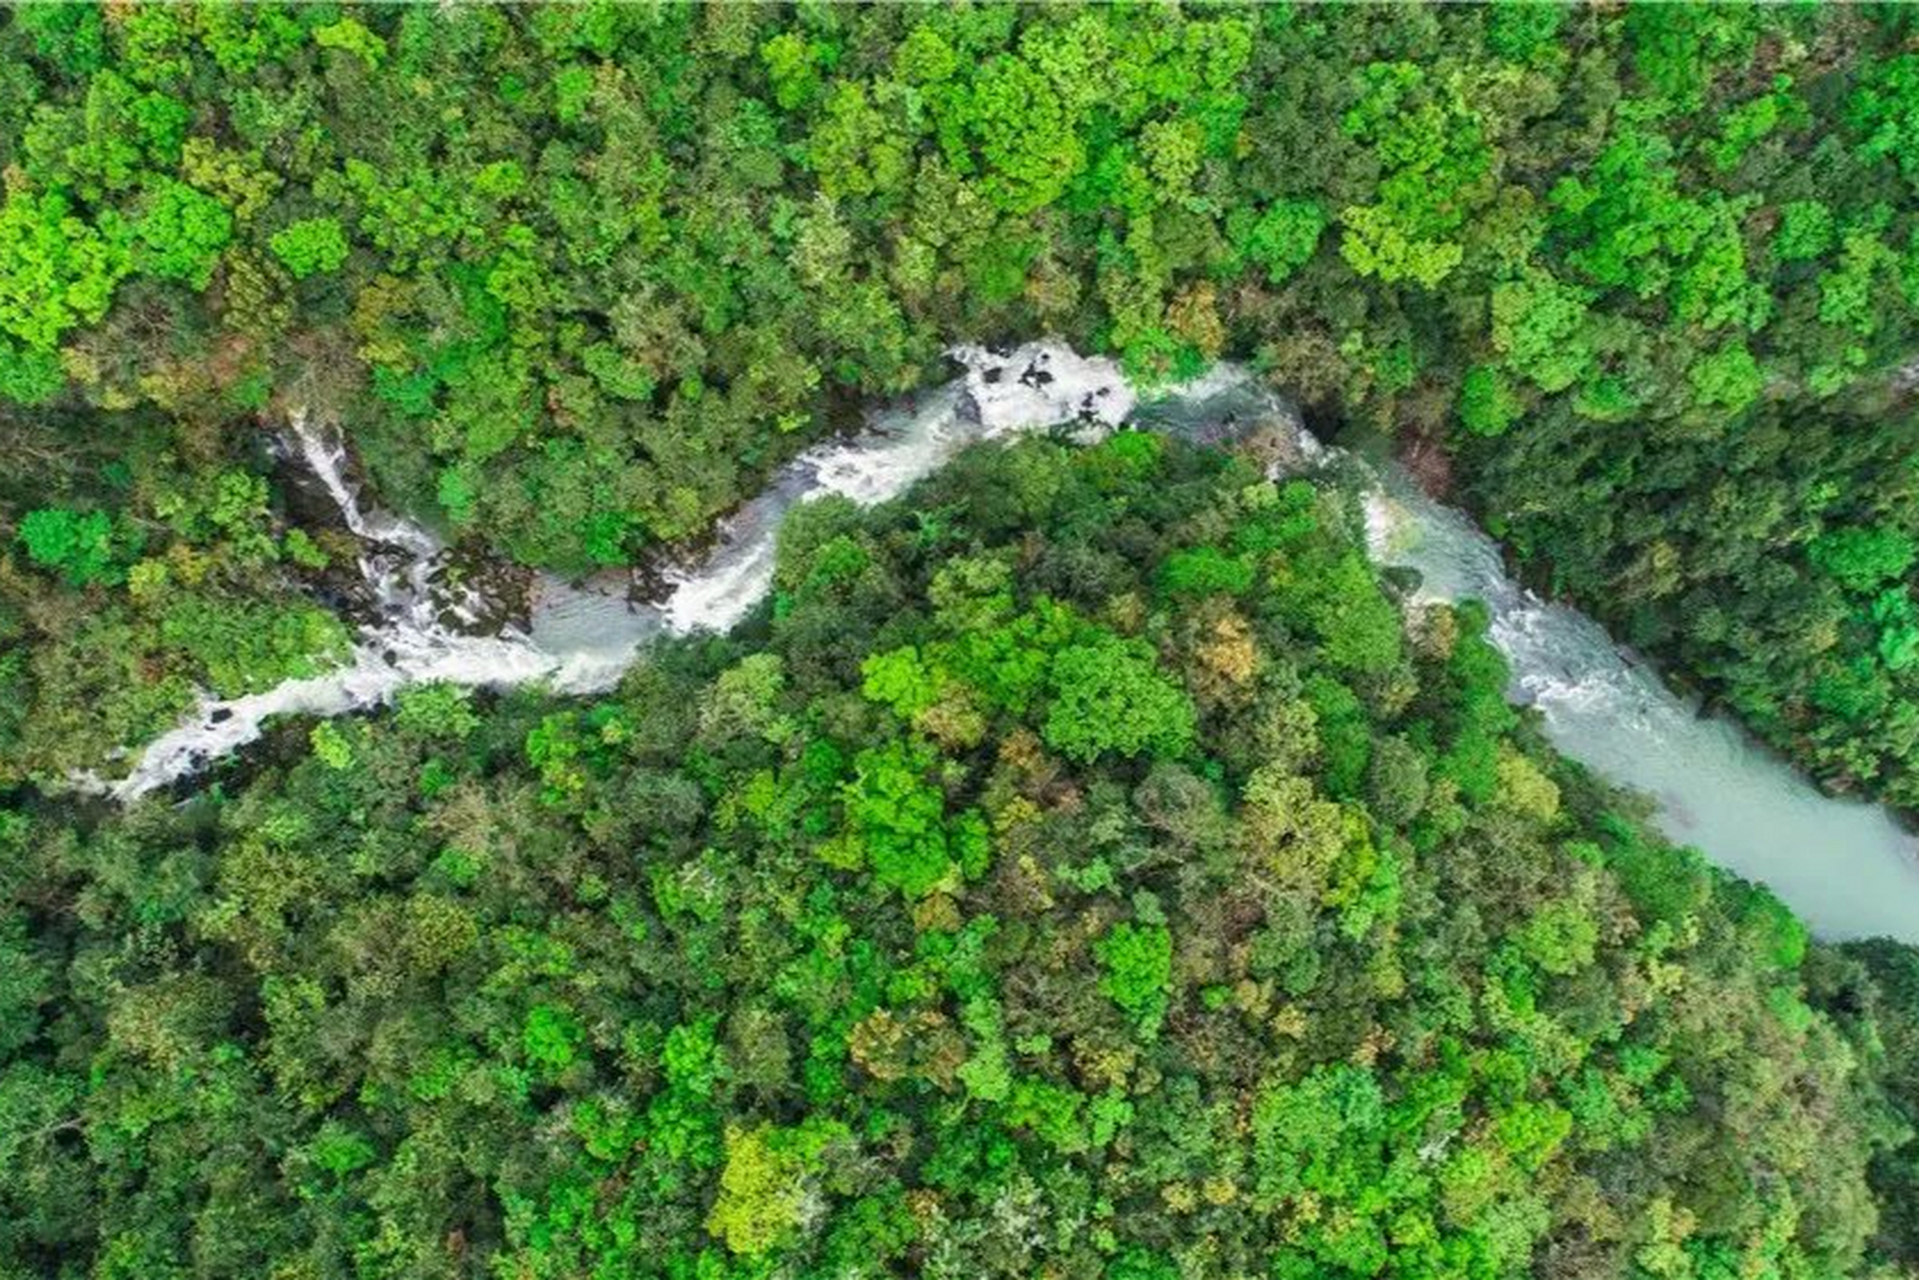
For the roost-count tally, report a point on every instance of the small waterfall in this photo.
(416, 637)
(325, 456)
(580, 639)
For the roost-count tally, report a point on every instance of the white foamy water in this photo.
(1846, 867)
(324, 454)
(415, 639)
(581, 639)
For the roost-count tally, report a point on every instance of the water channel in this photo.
(1846, 867)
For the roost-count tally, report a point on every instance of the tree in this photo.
(1805, 231)
(1282, 238)
(1108, 695)
(1539, 326)
(1435, 168)
(1027, 136)
(310, 246)
(1487, 405)
(56, 271)
(1883, 112)
(763, 1185)
(349, 36)
(896, 823)
(1728, 379)
(1138, 960)
(182, 234)
(1861, 558)
(29, 377)
(77, 544)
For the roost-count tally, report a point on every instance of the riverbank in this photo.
(1847, 867)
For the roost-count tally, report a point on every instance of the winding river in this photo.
(1845, 867)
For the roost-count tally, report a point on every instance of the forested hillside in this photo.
(1076, 870)
(1638, 281)
(1084, 868)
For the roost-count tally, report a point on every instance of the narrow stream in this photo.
(1846, 867)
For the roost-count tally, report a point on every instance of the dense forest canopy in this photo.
(1085, 868)
(575, 276)
(1075, 870)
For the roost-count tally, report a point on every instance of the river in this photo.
(1844, 866)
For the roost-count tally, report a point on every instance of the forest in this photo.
(1078, 869)
(1634, 282)
(1088, 867)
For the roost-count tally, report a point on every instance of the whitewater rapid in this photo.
(1847, 868)
(580, 638)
